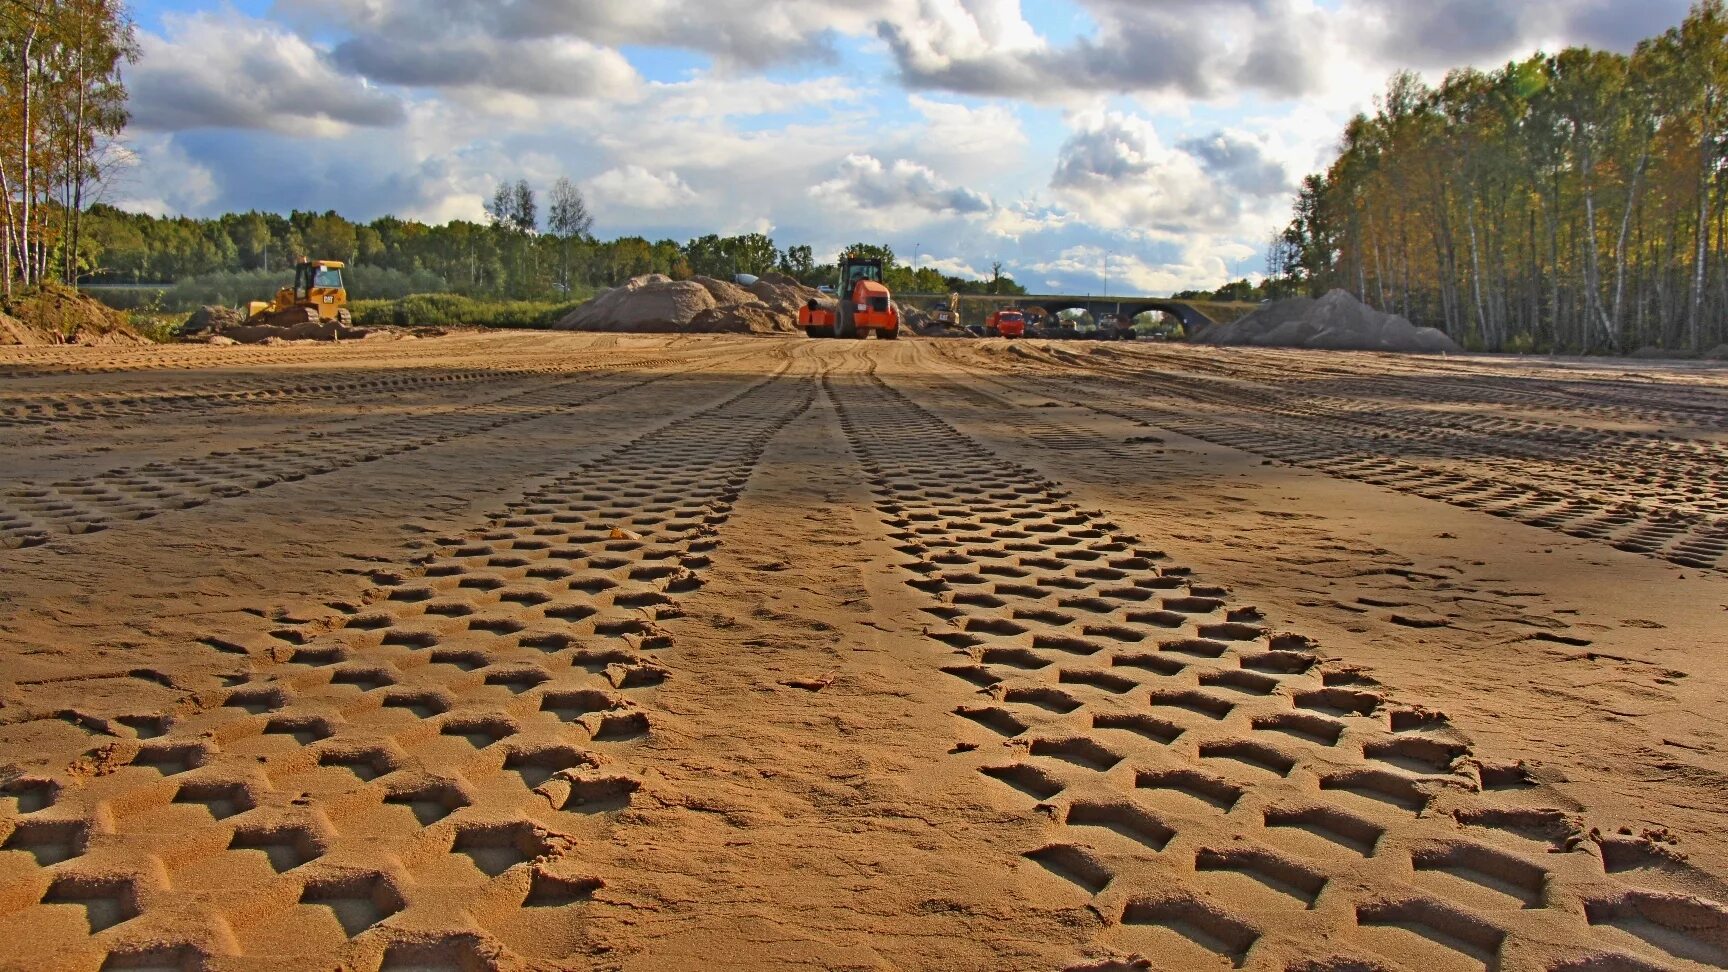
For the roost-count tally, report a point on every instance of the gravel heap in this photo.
(1335, 322)
(657, 303)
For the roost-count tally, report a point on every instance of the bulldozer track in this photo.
(258, 392)
(48, 362)
(1188, 757)
(1643, 493)
(376, 789)
(34, 514)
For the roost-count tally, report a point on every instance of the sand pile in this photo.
(785, 295)
(656, 303)
(55, 315)
(15, 331)
(1335, 322)
(211, 319)
(724, 291)
(225, 325)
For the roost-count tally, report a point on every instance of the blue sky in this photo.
(1162, 138)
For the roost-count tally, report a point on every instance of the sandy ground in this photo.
(583, 652)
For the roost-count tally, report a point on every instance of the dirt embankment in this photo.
(1335, 322)
(55, 315)
(657, 303)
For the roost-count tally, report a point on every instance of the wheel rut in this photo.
(1214, 791)
(32, 514)
(1637, 492)
(255, 393)
(412, 783)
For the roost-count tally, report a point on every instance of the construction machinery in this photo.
(1008, 323)
(863, 305)
(317, 297)
(1116, 327)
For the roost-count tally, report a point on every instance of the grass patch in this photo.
(454, 310)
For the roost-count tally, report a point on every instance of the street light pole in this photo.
(1107, 255)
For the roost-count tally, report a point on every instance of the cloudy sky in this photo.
(1141, 145)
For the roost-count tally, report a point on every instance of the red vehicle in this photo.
(1008, 324)
(864, 305)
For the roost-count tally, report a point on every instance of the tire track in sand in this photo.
(254, 393)
(34, 514)
(415, 786)
(1216, 794)
(1620, 504)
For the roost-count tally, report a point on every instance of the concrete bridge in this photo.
(1053, 304)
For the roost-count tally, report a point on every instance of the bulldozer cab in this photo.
(320, 275)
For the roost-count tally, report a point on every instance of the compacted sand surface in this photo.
(604, 652)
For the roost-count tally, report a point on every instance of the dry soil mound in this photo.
(1335, 322)
(55, 315)
(752, 317)
(211, 319)
(784, 295)
(701, 305)
(651, 303)
(15, 331)
(724, 291)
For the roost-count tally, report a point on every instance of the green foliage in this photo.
(1246, 291)
(725, 257)
(1521, 343)
(238, 287)
(1574, 200)
(799, 262)
(62, 106)
(244, 256)
(454, 310)
(161, 328)
(130, 298)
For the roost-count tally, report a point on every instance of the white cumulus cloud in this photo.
(226, 70)
(636, 187)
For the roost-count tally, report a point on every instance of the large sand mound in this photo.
(1335, 322)
(656, 303)
(55, 315)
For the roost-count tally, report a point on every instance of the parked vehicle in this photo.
(1008, 324)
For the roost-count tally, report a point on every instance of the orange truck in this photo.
(864, 305)
(1008, 323)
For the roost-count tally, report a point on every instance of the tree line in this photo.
(515, 254)
(62, 104)
(1567, 202)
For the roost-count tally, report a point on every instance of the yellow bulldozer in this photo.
(317, 297)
